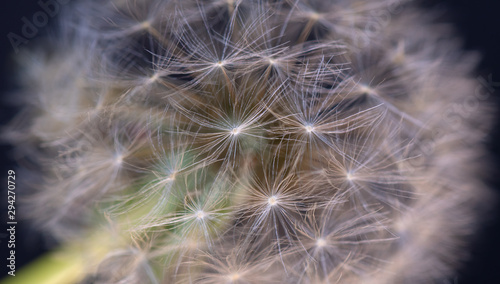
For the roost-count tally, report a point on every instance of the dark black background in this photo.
(478, 22)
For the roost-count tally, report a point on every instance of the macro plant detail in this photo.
(256, 141)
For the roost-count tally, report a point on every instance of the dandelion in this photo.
(259, 141)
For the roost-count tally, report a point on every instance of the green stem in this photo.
(62, 266)
(67, 264)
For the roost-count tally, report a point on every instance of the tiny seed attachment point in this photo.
(320, 242)
(272, 200)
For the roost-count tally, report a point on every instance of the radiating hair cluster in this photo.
(256, 141)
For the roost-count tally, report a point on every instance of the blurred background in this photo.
(477, 22)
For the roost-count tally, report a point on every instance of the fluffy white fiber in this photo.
(254, 141)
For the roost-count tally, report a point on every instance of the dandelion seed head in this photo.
(270, 140)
